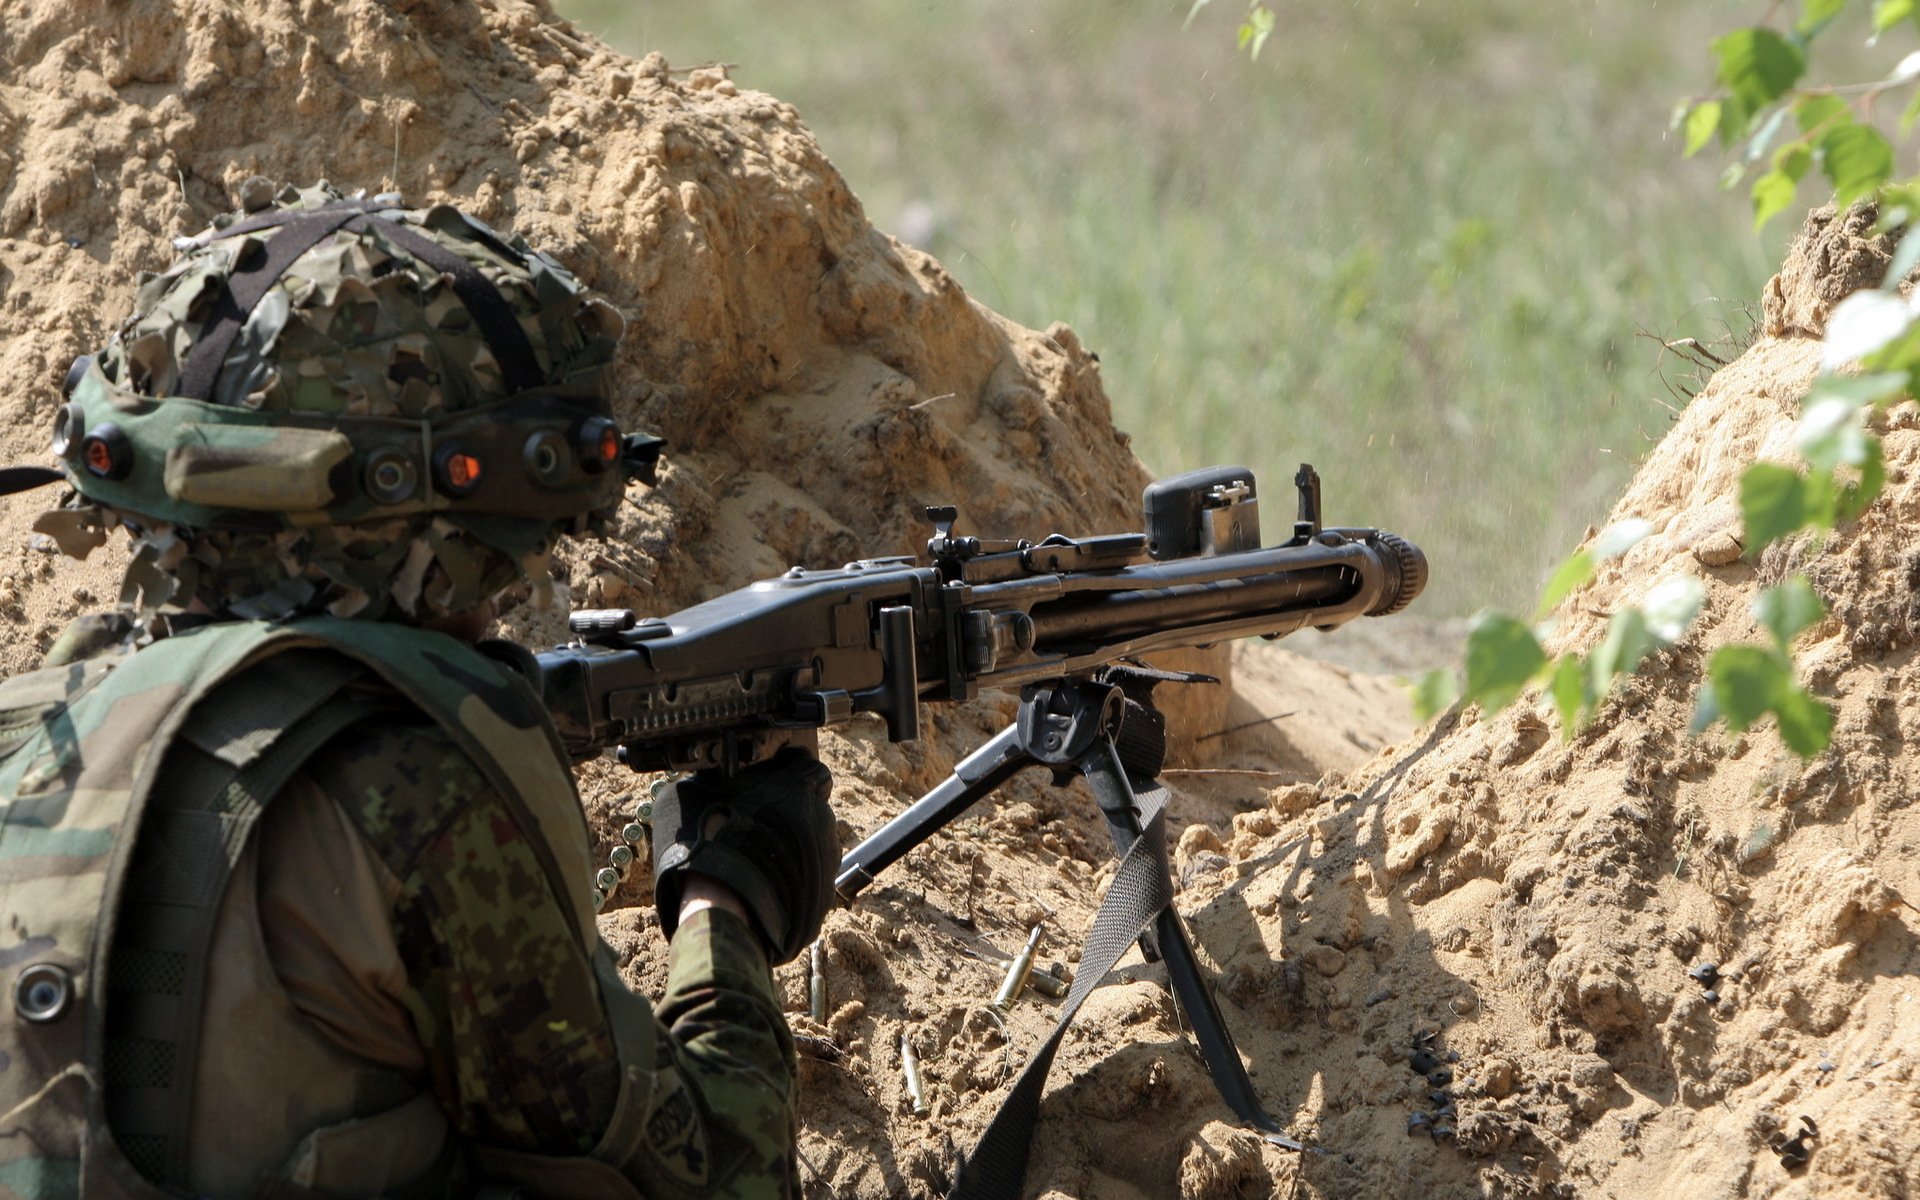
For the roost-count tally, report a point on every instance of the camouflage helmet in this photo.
(346, 406)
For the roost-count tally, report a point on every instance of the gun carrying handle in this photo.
(900, 653)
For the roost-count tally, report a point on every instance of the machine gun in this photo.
(729, 682)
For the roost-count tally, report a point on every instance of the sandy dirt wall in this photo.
(1459, 964)
(818, 381)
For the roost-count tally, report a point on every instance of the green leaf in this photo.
(1861, 325)
(1806, 724)
(1706, 709)
(1793, 160)
(1757, 66)
(1620, 537)
(1569, 690)
(1858, 158)
(1898, 202)
(1772, 193)
(1757, 146)
(1814, 111)
(1567, 578)
(1788, 607)
(1856, 498)
(1859, 390)
(1909, 113)
(1747, 683)
(1702, 123)
(1503, 656)
(1906, 256)
(1773, 503)
(1627, 642)
(1829, 433)
(1434, 693)
(1254, 30)
(1823, 499)
(1671, 606)
(1888, 13)
(1813, 14)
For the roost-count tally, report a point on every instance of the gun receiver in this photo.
(728, 682)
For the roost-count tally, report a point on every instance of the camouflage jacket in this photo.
(406, 992)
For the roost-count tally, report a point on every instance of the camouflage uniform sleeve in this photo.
(729, 1045)
(499, 990)
(506, 1003)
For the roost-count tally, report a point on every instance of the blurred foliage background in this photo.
(1416, 244)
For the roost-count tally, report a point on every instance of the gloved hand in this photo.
(767, 833)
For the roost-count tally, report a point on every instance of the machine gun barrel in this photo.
(1340, 575)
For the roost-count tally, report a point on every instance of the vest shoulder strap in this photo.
(236, 750)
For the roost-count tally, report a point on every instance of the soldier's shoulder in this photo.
(402, 780)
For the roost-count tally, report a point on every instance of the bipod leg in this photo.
(1057, 722)
(1117, 800)
(973, 778)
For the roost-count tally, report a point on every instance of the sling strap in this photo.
(1141, 887)
(297, 234)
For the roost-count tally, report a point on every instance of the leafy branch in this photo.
(1254, 29)
(1870, 359)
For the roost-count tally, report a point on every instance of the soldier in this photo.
(296, 886)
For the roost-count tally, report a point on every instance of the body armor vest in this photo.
(97, 1047)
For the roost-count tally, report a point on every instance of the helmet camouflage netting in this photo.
(343, 406)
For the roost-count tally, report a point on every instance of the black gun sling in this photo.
(1141, 887)
(1140, 896)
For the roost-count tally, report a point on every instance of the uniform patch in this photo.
(674, 1134)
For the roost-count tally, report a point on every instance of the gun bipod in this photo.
(1070, 726)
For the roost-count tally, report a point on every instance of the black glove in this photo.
(767, 833)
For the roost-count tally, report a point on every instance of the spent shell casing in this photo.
(1017, 972)
(916, 1087)
(621, 857)
(1048, 984)
(817, 982)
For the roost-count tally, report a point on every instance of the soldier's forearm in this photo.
(701, 892)
(731, 1049)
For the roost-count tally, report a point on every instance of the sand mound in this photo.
(817, 380)
(1546, 908)
(1518, 912)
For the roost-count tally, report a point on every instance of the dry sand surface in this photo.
(1523, 909)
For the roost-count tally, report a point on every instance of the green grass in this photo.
(1413, 244)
